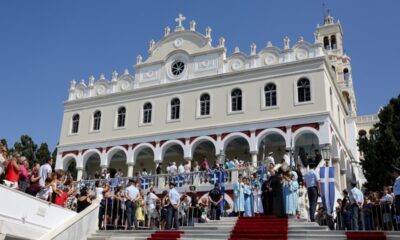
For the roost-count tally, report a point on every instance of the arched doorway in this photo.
(117, 160)
(91, 164)
(237, 146)
(204, 149)
(70, 167)
(144, 159)
(172, 152)
(343, 170)
(272, 142)
(305, 145)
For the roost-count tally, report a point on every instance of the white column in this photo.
(130, 169)
(254, 159)
(189, 159)
(59, 162)
(79, 173)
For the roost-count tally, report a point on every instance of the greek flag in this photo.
(222, 180)
(327, 178)
(217, 177)
(145, 183)
(179, 180)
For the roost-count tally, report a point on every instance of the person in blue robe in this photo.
(291, 200)
(248, 200)
(238, 193)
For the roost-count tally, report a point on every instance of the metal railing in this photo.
(380, 216)
(113, 211)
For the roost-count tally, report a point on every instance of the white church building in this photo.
(189, 99)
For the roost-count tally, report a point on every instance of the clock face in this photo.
(177, 68)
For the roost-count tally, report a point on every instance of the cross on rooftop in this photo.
(180, 19)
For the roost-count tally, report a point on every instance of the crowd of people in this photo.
(38, 180)
(281, 189)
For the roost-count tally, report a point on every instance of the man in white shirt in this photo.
(311, 180)
(131, 195)
(173, 169)
(181, 169)
(270, 159)
(172, 211)
(151, 200)
(357, 200)
(45, 171)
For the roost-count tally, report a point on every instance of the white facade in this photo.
(184, 64)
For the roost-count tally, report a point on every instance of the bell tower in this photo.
(330, 35)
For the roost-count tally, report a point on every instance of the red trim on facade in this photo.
(153, 143)
(76, 152)
(162, 142)
(83, 151)
(223, 135)
(312, 125)
(258, 131)
(213, 136)
(134, 145)
(126, 146)
(182, 140)
(248, 133)
(192, 139)
(108, 148)
(282, 128)
(100, 149)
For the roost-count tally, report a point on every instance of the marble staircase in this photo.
(221, 230)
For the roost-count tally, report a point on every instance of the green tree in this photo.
(43, 153)
(382, 150)
(26, 147)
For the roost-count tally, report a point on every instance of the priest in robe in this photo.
(277, 194)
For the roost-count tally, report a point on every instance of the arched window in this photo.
(303, 90)
(326, 43)
(333, 42)
(236, 97)
(75, 123)
(121, 117)
(270, 95)
(175, 108)
(147, 108)
(346, 74)
(205, 104)
(96, 120)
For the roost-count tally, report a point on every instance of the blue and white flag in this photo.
(179, 181)
(144, 183)
(217, 177)
(327, 178)
(213, 177)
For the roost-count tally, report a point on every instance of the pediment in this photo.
(191, 42)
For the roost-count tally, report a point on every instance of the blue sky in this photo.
(45, 44)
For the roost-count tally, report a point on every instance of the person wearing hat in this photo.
(396, 191)
(357, 199)
(131, 195)
(215, 197)
(172, 210)
(270, 159)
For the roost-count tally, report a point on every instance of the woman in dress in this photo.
(248, 209)
(139, 208)
(256, 190)
(164, 209)
(292, 196)
(83, 200)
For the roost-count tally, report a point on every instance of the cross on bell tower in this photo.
(179, 20)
